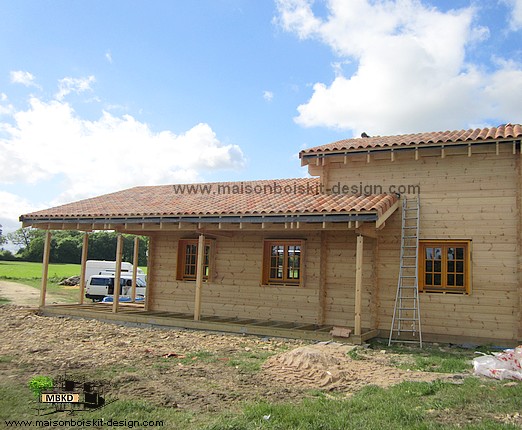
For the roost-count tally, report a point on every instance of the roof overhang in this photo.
(351, 219)
(317, 156)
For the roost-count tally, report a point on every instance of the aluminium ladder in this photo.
(406, 313)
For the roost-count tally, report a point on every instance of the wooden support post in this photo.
(358, 285)
(322, 278)
(117, 275)
(85, 248)
(45, 268)
(135, 267)
(199, 277)
(150, 272)
(519, 242)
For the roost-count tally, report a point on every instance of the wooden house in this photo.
(324, 251)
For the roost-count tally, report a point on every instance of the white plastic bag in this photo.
(502, 365)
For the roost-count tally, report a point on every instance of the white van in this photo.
(100, 286)
(103, 267)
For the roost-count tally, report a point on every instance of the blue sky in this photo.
(97, 96)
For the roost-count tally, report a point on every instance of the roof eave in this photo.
(304, 156)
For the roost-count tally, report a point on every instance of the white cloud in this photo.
(516, 14)
(21, 77)
(49, 141)
(412, 72)
(108, 56)
(5, 109)
(74, 85)
(11, 207)
(268, 95)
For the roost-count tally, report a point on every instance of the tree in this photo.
(2, 238)
(66, 246)
(67, 250)
(22, 237)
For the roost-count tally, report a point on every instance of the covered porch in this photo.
(319, 217)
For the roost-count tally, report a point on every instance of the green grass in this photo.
(474, 403)
(16, 270)
(433, 358)
(249, 361)
(409, 405)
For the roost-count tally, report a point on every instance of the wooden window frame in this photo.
(181, 260)
(445, 244)
(284, 281)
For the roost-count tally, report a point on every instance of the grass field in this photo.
(471, 404)
(16, 270)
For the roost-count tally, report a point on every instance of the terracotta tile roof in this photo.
(507, 131)
(295, 196)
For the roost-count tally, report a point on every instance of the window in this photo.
(188, 260)
(444, 266)
(283, 262)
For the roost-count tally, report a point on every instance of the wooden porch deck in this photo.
(136, 315)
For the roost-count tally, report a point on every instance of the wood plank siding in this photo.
(236, 290)
(462, 197)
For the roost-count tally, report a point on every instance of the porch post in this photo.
(117, 274)
(150, 272)
(199, 277)
(358, 284)
(45, 268)
(135, 267)
(85, 248)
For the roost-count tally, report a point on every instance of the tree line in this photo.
(66, 246)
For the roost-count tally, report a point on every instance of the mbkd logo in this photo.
(60, 398)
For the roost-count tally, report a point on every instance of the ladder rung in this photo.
(411, 217)
(409, 237)
(408, 267)
(410, 226)
(408, 286)
(407, 309)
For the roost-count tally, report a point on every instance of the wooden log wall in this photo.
(236, 289)
(462, 197)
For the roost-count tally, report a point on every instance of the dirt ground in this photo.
(21, 294)
(194, 370)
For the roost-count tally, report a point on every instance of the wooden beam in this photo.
(358, 285)
(135, 259)
(117, 274)
(199, 277)
(45, 267)
(151, 271)
(85, 248)
(519, 242)
(321, 314)
(367, 229)
(380, 222)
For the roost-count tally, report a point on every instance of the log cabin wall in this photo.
(462, 197)
(236, 290)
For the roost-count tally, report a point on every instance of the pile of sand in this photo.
(329, 366)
